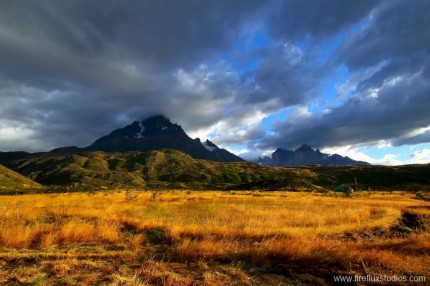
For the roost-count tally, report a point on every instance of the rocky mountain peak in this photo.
(306, 155)
(157, 121)
(155, 133)
(305, 148)
(154, 125)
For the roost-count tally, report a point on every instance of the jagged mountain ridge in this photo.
(306, 155)
(156, 133)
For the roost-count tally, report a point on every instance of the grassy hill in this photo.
(173, 169)
(11, 181)
(165, 169)
(405, 177)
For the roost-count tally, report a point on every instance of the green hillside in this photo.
(11, 181)
(166, 169)
(407, 176)
(173, 169)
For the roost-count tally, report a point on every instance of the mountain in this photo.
(305, 155)
(156, 133)
(12, 181)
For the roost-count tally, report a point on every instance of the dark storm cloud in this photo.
(400, 108)
(397, 29)
(392, 102)
(297, 20)
(412, 140)
(285, 74)
(164, 33)
(73, 71)
(99, 43)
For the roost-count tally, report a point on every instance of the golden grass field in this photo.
(210, 238)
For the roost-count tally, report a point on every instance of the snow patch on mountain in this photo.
(208, 147)
(142, 128)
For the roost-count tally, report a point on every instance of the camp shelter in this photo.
(343, 189)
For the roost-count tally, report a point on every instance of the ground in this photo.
(138, 237)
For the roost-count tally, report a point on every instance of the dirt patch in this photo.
(414, 221)
(423, 197)
(409, 223)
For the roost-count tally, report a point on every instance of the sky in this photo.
(347, 77)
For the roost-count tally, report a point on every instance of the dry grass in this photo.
(276, 230)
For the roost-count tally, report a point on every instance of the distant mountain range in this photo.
(306, 155)
(154, 153)
(156, 133)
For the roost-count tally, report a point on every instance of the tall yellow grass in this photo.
(285, 227)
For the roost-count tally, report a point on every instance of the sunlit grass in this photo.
(261, 227)
(79, 217)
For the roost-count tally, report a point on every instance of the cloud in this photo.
(297, 20)
(284, 74)
(387, 93)
(399, 107)
(163, 33)
(421, 135)
(421, 156)
(354, 152)
(71, 72)
(396, 30)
